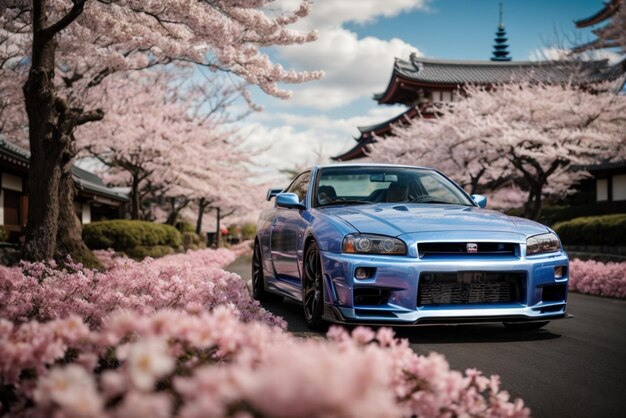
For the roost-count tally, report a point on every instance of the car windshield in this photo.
(371, 184)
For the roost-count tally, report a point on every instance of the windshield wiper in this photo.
(346, 202)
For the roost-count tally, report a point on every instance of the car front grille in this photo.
(465, 288)
(426, 249)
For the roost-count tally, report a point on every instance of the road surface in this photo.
(571, 368)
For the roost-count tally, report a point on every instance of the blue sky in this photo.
(358, 40)
(464, 29)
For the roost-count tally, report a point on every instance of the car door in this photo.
(286, 233)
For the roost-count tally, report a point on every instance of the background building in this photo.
(93, 201)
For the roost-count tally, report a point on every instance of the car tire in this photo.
(525, 326)
(258, 278)
(313, 289)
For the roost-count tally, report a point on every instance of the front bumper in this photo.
(542, 296)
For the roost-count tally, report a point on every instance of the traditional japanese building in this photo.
(501, 48)
(607, 34)
(420, 82)
(93, 201)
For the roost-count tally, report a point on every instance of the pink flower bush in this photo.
(217, 365)
(178, 337)
(596, 278)
(186, 281)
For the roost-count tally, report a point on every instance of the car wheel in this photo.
(313, 288)
(525, 326)
(258, 279)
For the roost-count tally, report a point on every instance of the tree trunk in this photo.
(135, 200)
(202, 205)
(532, 207)
(173, 216)
(51, 123)
(69, 234)
(46, 143)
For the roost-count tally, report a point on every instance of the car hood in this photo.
(398, 219)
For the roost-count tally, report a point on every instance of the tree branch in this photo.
(65, 21)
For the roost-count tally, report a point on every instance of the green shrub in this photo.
(248, 231)
(593, 230)
(193, 241)
(122, 235)
(4, 235)
(140, 252)
(184, 226)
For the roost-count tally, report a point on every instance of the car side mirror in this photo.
(480, 200)
(271, 192)
(289, 201)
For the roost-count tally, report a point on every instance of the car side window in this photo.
(300, 185)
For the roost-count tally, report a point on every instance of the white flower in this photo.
(148, 360)
(73, 389)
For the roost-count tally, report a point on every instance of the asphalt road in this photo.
(571, 368)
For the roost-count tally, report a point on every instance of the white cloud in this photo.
(355, 68)
(332, 13)
(303, 140)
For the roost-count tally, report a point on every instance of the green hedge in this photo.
(593, 230)
(193, 241)
(122, 235)
(140, 252)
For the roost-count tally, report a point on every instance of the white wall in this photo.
(602, 190)
(619, 187)
(86, 213)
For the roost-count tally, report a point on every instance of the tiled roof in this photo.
(489, 72)
(404, 116)
(92, 183)
(606, 166)
(609, 9)
(453, 73)
(83, 179)
(13, 150)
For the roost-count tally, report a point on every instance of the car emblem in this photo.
(472, 247)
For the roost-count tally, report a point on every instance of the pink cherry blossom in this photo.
(529, 138)
(597, 278)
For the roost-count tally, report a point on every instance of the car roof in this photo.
(320, 166)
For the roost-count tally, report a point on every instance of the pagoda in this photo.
(500, 49)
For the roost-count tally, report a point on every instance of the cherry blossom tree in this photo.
(167, 143)
(533, 135)
(75, 45)
(13, 73)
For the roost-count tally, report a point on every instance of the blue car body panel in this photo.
(284, 233)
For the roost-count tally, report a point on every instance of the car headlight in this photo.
(541, 244)
(373, 244)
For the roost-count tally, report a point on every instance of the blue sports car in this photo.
(401, 245)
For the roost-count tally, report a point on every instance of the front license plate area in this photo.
(469, 287)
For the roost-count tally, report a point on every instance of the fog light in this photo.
(560, 272)
(362, 273)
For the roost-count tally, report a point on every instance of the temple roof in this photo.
(377, 129)
(84, 179)
(433, 73)
(380, 129)
(609, 9)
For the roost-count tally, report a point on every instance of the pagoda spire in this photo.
(500, 48)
